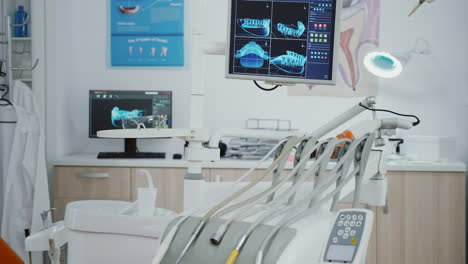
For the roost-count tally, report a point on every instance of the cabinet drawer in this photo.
(170, 184)
(88, 183)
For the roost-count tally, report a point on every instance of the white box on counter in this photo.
(430, 148)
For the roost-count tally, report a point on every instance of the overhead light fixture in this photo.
(390, 65)
(384, 64)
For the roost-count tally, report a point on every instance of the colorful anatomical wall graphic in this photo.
(359, 34)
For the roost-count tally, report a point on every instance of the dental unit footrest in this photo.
(202, 251)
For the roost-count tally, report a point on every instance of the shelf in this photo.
(21, 39)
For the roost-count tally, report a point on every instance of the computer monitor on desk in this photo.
(109, 109)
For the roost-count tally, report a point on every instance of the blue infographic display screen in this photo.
(147, 32)
(283, 38)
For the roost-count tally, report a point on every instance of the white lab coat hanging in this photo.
(25, 185)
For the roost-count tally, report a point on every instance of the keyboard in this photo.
(126, 155)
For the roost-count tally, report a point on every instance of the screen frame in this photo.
(283, 80)
(123, 91)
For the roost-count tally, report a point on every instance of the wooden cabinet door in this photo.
(170, 184)
(92, 183)
(425, 223)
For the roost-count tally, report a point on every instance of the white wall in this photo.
(434, 87)
(78, 62)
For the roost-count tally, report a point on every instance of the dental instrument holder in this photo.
(146, 201)
(45, 218)
(146, 197)
(204, 252)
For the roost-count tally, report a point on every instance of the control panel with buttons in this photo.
(349, 237)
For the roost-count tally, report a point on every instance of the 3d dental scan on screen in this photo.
(129, 110)
(284, 41)
(213, 170)
(117, 109)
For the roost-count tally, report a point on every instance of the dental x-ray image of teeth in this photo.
(255, 27)
(290, 20)
(252, 56)
(288, 59)
(291, 31)
(290, 62)
(119, 115)
(253, 19)
(360, 22)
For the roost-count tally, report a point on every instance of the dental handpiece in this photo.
(291, 143)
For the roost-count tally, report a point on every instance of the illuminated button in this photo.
(335, 240)
(347, 229)
(354, 217)
(360, 217)
(358, 223)
(345, 236)
(348, 217)
(353, 241)
(325, 40)
(346, 223)
(352, 233)
(352, 223)
(340, 232)
(340, 223)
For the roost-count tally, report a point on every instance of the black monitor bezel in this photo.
(286, 80)
(124, 91)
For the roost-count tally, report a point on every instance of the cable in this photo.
(266, 89)
(274, 210)
(297, 215)
(292, 214)
(2, 73)
(171, 235)
(418, 121)
(290, 145)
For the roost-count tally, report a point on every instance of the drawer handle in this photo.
(96, 175)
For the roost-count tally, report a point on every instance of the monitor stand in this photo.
(131, 152)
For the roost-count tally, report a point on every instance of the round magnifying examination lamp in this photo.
(390, 65)
(384, 64)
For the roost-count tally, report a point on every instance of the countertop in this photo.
(90, 160)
